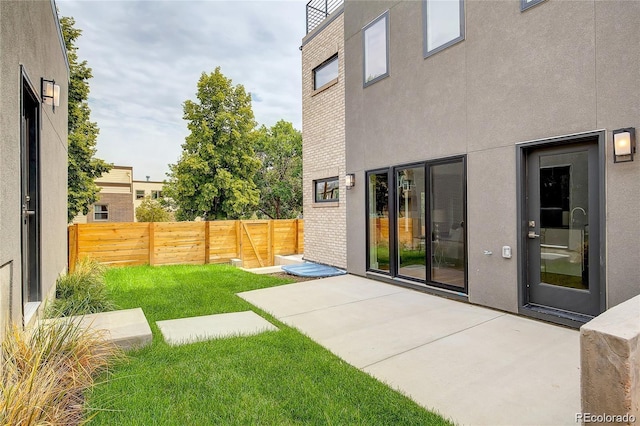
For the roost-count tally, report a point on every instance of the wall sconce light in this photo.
(624, 145)
(50, 93)
(350, 180)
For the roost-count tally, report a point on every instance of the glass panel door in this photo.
(563, 228)
(410, 214)
(378, 226)
(447, 213)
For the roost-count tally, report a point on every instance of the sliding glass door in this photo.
(410, 223)
(378, 221)
(416, 223)
(447, 223)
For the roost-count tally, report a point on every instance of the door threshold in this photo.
(554, 315)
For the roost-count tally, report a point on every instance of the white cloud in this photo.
(147, 57)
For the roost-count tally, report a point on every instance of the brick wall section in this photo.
(120, 208)
(325, 227)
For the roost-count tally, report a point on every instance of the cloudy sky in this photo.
(147, 57)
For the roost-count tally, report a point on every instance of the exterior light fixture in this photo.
(50, 93)
(624, 145)
(350, 180)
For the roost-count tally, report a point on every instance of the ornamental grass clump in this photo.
(46, 371)
(81, 292)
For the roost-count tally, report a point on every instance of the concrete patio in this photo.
(474, 365)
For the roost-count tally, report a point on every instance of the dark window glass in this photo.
(447, 210)
(327, 190)
(100, 212)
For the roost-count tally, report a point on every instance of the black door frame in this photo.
(522, 149)
(31, 285)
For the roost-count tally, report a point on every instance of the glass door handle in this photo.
(533, 235)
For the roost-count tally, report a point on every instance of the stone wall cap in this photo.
(622, 320)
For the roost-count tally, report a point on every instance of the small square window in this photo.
(139, 194)
(156, 194)
(326, 72)
(375, 40)
(526, 4)
(327, 190)
(100, 212)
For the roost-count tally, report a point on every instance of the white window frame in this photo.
(101, 212)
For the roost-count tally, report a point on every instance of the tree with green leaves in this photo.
(213, 178)
(279, 179)
(152, 211)
(83, 166)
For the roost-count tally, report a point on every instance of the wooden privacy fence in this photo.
(255, 242)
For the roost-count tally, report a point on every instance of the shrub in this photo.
(46, 370)
(81, 292)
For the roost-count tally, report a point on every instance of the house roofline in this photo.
(63, 46)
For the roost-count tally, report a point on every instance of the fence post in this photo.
(271, 242)
(297, 236)
(72, 247)
(207, 248)
(152, 231)
(238, 240)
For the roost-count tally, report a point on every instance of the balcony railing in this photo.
(318, 10)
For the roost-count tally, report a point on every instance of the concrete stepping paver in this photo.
(196, 329)
(126, 328)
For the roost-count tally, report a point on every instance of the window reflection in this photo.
(375, 49)
(411, 230)
(378, 205)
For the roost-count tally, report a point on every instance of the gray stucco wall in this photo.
(29, 37)
(556, 69)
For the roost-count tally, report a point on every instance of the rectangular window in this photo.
(100, 212)
(375, 40)
(526, 4)
(139, 194)
(443, 24)
(327, 190)
(378, 226)
(325, 73)
(156, 194)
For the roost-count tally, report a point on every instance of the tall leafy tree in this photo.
(83, 167)
(279, 179)
(213, 178)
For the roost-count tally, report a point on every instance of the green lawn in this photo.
(275, 378)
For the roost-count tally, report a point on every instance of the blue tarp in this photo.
(310, 269)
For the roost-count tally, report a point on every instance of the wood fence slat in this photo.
(151, 248)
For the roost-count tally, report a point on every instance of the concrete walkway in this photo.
(473, 365)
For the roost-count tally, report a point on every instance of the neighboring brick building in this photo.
(116, 198)
(323, 140)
